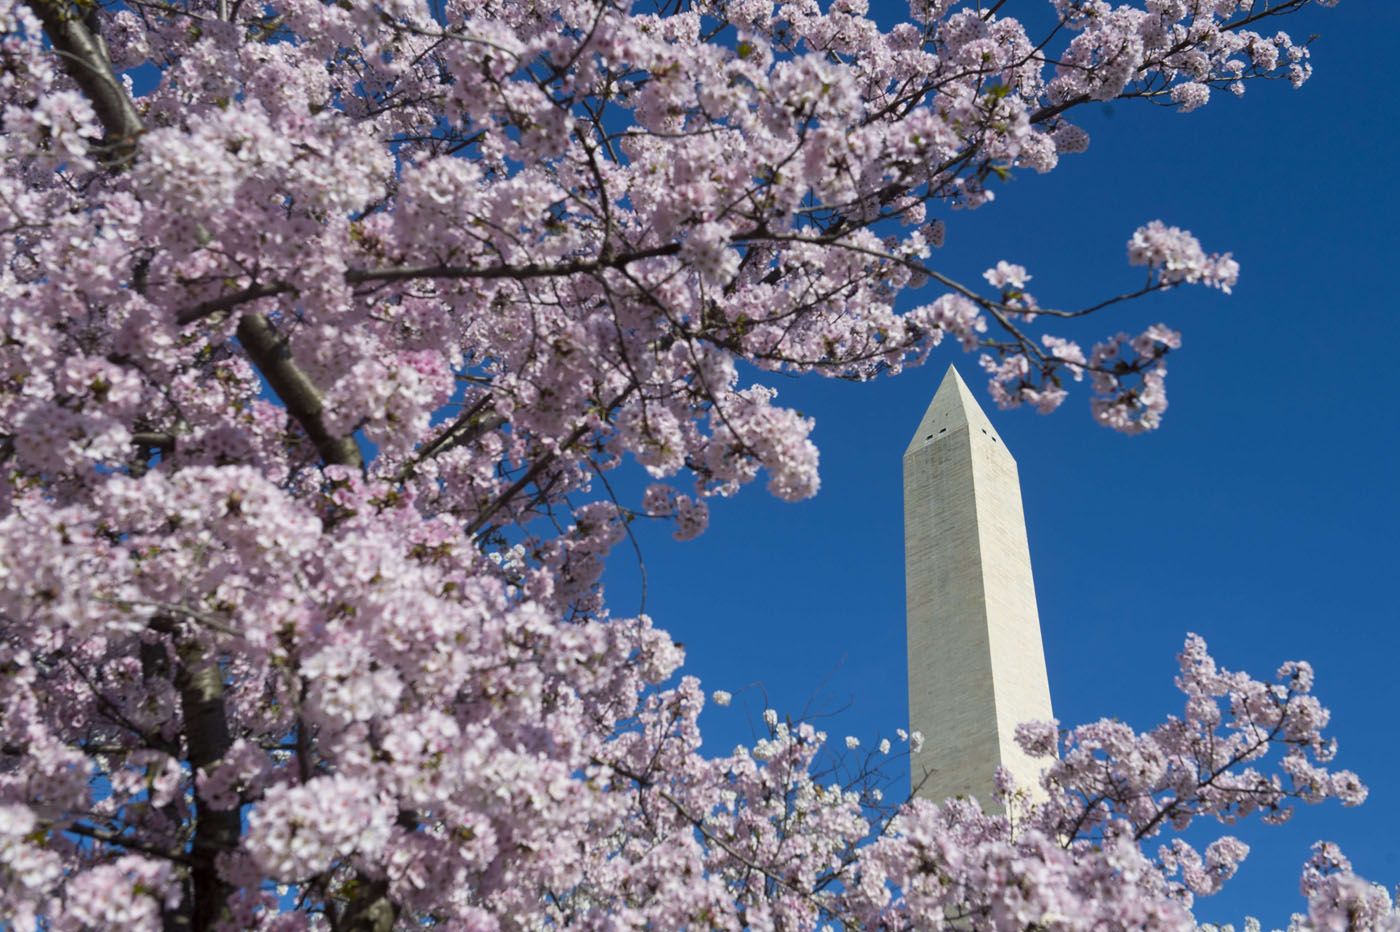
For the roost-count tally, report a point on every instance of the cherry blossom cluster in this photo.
(1174, 255)
(324, 326)
(767, 838)
(1074, 854)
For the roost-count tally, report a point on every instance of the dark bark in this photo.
(201, 684)
(84, 56)
(270, 353)
(370, 910)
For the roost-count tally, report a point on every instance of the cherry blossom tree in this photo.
(324, 325)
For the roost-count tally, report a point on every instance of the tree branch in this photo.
(131, 844)
(468, 426)
(537, 467)
(229, 301)
(370, 910)
(528, 270)
(201, 683)
(160, 440)
(85, 59)
(270, 354)
(413, 272)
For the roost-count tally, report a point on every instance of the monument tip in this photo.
(953, 407)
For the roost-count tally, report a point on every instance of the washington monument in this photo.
(976, 665)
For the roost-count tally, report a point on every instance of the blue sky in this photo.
(1262, 516)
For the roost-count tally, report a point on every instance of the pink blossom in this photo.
(1005, 274)
(325, 335)
(299, 831)
(1190, 96)
(1176, 256)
